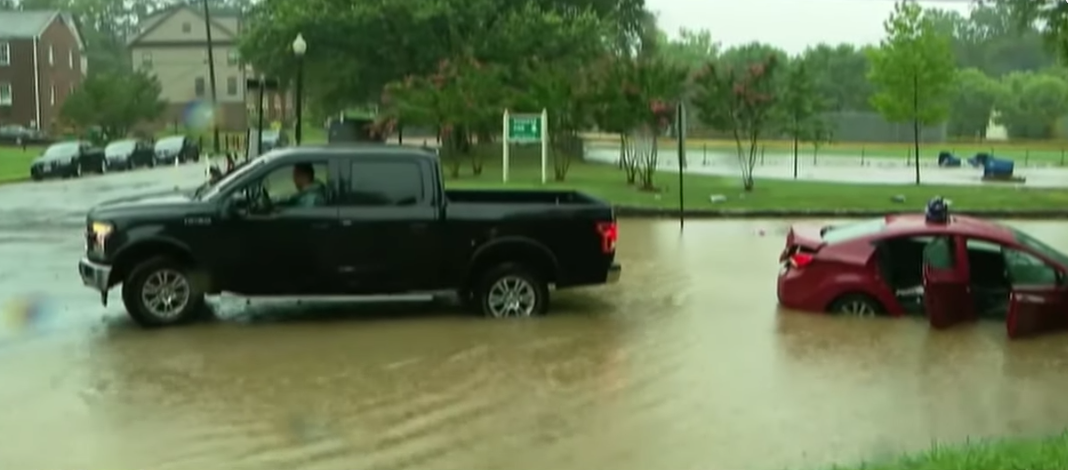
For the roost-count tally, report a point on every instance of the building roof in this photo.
(158, 17)
(24, 24)
(31, 24)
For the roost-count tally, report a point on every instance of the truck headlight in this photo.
(98, 234)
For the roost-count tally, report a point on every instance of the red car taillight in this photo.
(609, 234)
(800, 260)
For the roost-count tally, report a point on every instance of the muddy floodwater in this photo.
(686, 364)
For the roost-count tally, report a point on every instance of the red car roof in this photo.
(916, 224)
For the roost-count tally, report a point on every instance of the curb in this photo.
(655, 212)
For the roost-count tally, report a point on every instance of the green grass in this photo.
(1050, 453)
(608, 183)
(1024, 153)
(15, 162)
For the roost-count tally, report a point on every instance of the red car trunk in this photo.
(802, 238)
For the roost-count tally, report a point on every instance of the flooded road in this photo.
(686, 364)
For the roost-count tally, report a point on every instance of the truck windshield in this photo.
(209, 190)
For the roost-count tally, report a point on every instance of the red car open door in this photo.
(1034, 310)
(947, 297)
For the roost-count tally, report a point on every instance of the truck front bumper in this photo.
(614, 273)
(95, 276)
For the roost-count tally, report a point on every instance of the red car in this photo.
(953, 271)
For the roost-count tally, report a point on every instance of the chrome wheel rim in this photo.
(165, 294)
(857, 308)
(511, 296)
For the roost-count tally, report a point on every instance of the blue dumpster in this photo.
(998, 168)
(979, 160)
(947, 159)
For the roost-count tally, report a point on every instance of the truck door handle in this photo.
(346, 223)
(320, 226)
(418, 227)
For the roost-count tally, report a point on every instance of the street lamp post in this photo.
(299, 48)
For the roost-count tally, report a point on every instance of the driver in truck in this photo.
(310, 193)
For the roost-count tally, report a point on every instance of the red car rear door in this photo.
(1034, 310)
(947, 297)
(1039, 301)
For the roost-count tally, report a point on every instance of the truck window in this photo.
(385, 183)
(280, 186)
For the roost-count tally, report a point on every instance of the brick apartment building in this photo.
(41, 63)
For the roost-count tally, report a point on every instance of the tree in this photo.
(563, 90)
(616, 105)
(839, 75)
(800, 105)
(692, 49)
(1031, 104)
(741, 101)
(115, 101)
(412, 36)
(973, 103)
(913, 71)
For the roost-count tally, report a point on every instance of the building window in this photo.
(5, 53)
(70, 59)
(146, 59)
(52, 95)
(51, 56)
(198, 87)
(5, 94)
(231, 86)
(231, 57)
(186, 27)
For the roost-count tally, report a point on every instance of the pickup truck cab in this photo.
(345, 221)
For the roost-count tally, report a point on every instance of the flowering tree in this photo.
(460, 99)
(635, 98)
(740, 101)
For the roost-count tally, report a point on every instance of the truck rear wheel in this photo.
(512, 290)
(161, 292)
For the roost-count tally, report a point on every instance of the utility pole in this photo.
(211, 73)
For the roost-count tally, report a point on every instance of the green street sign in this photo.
(524, 128)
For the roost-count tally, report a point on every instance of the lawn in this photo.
(1024, 153)
(1049, 453)
(15, 162)
(608, 183)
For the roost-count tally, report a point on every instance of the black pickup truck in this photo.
(361, 219)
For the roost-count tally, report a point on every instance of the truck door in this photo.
(1039, 300)
(389, 226)
(286, 249)
(946, 294)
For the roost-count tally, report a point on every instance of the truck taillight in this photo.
(609, 234)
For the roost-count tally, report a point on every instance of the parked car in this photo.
(127, 154)
(954, 270)
(15, 134)
(68, 159)
(272, 139)
(176, 149)
(365, 220)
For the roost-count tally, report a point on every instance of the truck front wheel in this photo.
(511, 290)
(162, 292)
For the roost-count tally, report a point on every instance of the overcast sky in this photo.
(791, 25)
